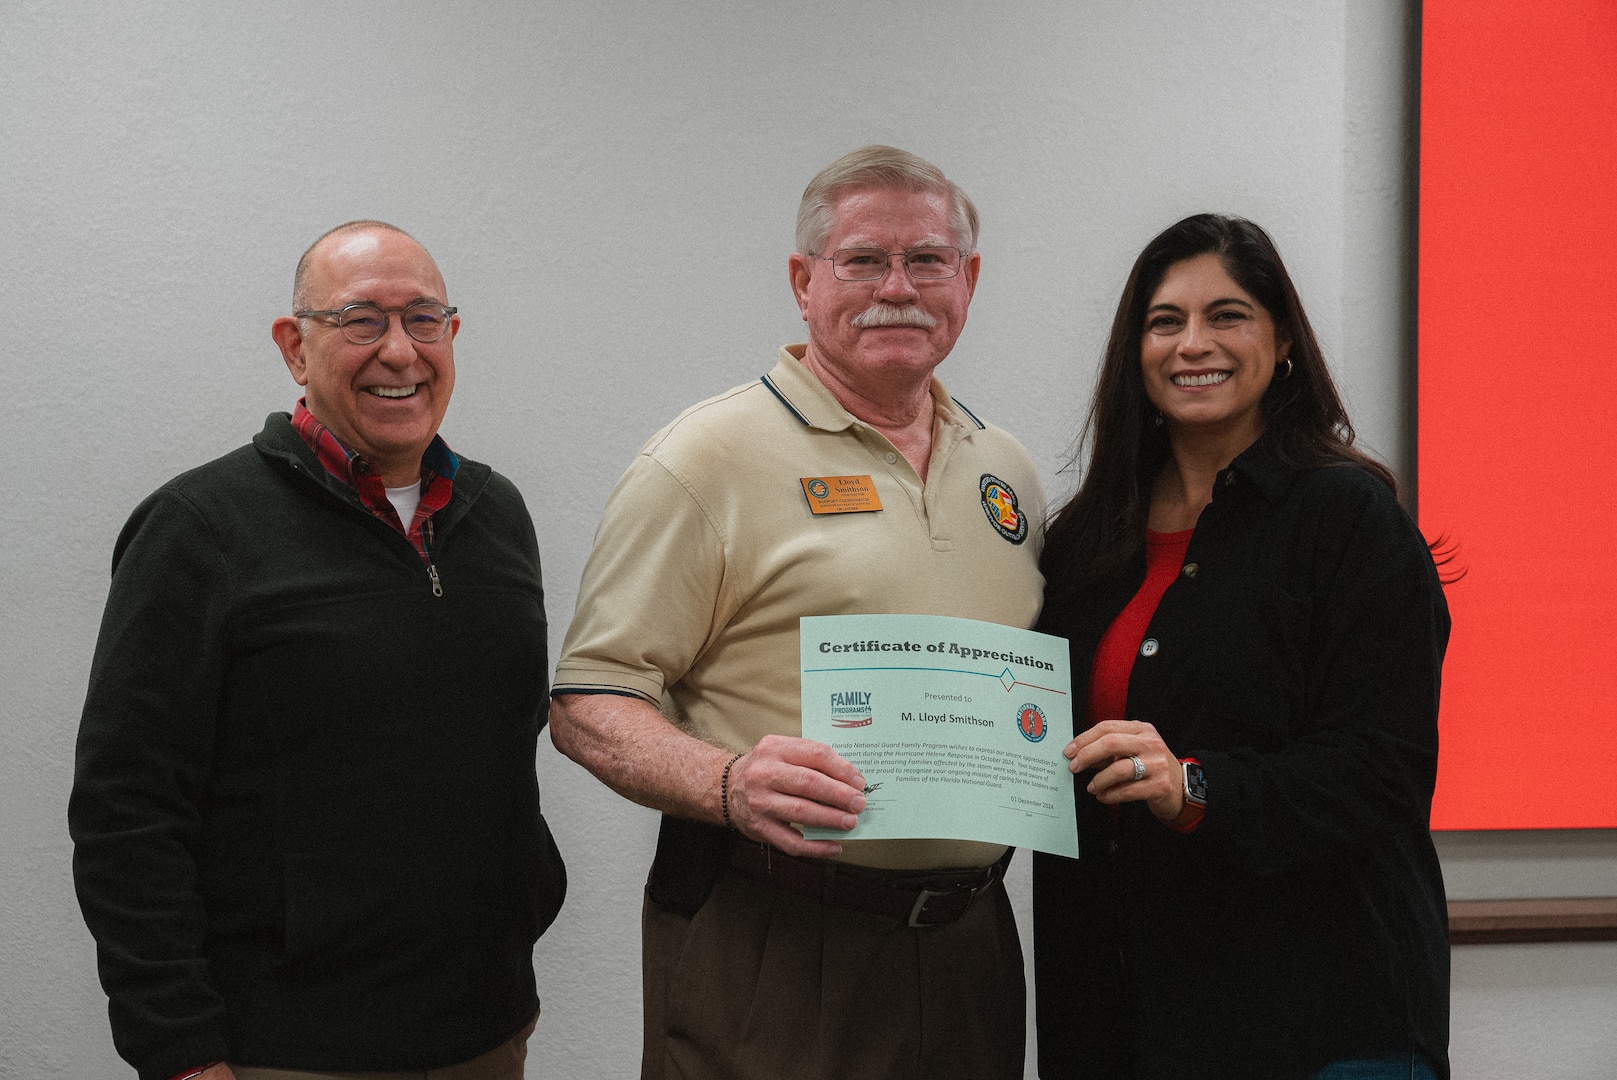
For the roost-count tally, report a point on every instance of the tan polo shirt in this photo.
(708, 554)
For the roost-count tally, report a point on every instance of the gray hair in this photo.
(878, 167)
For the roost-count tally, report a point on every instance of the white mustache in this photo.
(882, 314)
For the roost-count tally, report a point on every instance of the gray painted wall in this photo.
(573, 166)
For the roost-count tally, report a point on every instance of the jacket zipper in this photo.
(432, 570)
(426, 536)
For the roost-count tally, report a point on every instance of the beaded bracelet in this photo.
(724, 791)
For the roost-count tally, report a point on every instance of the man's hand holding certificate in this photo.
(957, 726)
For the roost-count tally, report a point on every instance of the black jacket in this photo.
(305, 809)
(1299, 654)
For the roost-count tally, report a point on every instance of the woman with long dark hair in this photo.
(1257, 633)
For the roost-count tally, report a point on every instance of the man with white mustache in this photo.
(844, 481)
(305, 809)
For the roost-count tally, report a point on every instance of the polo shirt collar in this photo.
(806, 397)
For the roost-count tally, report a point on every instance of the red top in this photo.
(1114, 658)
(1121, 644)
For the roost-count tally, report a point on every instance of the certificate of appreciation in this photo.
(957, 726)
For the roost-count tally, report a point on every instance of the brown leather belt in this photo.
(919, 898)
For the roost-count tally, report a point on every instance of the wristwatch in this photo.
(1195, 782)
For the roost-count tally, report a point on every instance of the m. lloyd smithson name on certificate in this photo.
(957, 725)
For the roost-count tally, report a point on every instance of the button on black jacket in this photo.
(1299, 655)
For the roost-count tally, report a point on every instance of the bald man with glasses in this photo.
(305, 813)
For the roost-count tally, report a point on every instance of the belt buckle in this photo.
(920, 905)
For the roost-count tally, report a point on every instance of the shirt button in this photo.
(1190, 570)
(1229, 479)
(892, 458)
(1149, 647)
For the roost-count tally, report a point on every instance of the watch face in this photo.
(1195, 784)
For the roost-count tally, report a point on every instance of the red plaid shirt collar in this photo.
(363, 476)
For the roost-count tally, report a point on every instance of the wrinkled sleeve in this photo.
(654, 588)
(1361, 764)
(144, 754)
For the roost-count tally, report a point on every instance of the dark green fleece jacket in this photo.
(305, 812)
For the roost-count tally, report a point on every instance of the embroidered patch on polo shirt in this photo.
(999, 503)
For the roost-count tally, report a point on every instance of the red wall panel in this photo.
(1517, 404)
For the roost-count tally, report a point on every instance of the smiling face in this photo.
(385, 399)
(1208, 352)
(891, 331)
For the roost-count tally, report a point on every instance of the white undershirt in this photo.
(405, 500)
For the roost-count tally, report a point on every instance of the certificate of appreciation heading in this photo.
(957, 726)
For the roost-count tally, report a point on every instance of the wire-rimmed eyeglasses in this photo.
(424, 320)
(929, 262)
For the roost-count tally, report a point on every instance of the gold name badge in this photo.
(841, 494)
